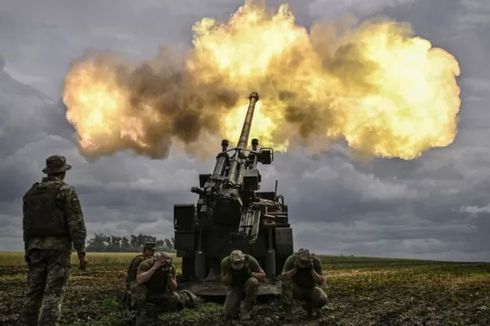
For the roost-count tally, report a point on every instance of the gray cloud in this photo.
(433, 207)
(474, 13)
(331, 9)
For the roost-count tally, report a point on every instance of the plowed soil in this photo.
(361, 291)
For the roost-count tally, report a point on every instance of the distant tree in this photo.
(160, 244)
(141, 240)
(169, 244)
(97, 243)
(125, 245)
(134, 241)
(113, 243)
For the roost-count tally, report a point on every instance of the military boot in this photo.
(246, 309)
(308, 309)
(245, 314)
(293, 311)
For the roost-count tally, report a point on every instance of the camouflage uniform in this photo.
(133, 270)
(48, 245)
(302, 286)
(243, 285)
(153, 297)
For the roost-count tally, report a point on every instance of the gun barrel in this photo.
(247, 124)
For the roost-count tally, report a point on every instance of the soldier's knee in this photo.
(286, 284)
(138, 296)
(320, 298)
(252, 282)
(320, 302)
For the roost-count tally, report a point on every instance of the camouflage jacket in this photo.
(133, 270)
(239, 277)
(303, 277)
(156, 286)
(67, 199)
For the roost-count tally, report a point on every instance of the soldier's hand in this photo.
(83, 262)
(297, 265)
(161, 261)
(305, 266)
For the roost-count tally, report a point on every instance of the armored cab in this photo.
(231, 213)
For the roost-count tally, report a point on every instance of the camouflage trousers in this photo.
(312, 298)
(48, 272)
(235, 295)
(149, 309)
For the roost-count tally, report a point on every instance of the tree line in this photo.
(112, 243)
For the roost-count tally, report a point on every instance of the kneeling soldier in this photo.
(301, 274)
(148, 251)
(242, 273)
(155, 290)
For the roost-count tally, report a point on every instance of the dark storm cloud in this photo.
(56, 32)
(434, 207)
(354, 207)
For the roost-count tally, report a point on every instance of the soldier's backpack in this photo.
(188, 299)
(42, 215)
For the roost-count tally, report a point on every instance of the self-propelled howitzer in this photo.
(232, 214)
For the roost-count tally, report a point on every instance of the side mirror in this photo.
(266, 155)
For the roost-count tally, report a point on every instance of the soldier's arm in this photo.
(225, 274)
(145, 272)
(316, 272)
(289, 269)
(26, 240)
(133, 269)
(256, 270)
(26, 257)
(172, 279)
(74, 219)
(25, 243)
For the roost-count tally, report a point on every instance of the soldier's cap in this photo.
(56, 164)
(149, 245)
(304, 256)
(237, 257)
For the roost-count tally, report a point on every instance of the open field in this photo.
(362, 291)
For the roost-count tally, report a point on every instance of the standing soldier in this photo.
(148, 251)
(301, 275)
(242, 273)
(52, 222)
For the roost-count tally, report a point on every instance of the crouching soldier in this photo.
(148, 251)
(155, 291)
(242, 273)
(301, 276)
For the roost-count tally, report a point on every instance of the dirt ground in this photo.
(361, 291)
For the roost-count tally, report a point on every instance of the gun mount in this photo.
(232, 214)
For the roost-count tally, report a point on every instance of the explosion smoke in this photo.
(385, 91)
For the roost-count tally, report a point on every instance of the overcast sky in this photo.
(435, 207)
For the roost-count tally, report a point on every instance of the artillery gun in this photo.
(232, 214)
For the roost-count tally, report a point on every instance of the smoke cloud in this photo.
(385, 91)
